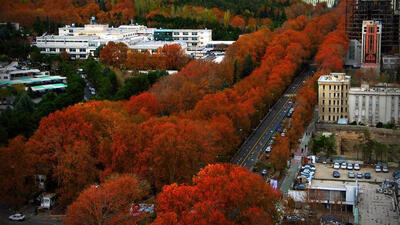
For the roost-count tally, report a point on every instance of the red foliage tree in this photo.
(220, 194)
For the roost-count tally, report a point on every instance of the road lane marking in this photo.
(264, 132)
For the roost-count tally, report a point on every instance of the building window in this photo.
(62, 49)
(185, 33)
(194, 33)
(175, 38)
(185, 38)
(194, 39)
(52, 49)
(176, 33)
(82, 50)
(72, 50)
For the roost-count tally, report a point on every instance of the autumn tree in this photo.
(16, 172)
(108, 203)
(280, 154)
(114, 54)
(220, 194)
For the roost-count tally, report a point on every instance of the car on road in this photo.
(378, 169)
(385, 169)
(343, 166)
(367, 175)
(357, 166)
(268, 149)
(17, 217)
(264, 172)
(359, 175)
(351, 174)
(350, 166)
(336, 166)
(336, 174)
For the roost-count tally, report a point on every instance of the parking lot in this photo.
(324, 171)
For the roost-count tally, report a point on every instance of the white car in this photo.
(268, 149)
(357, 166)
(336, 166)
(17, 217)
(378, 169)
(350, 166)
(343, 166)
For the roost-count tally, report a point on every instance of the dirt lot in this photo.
(347, 138)
(324, 171)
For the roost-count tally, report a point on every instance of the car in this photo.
(378, 169)
(350, 166)
(385, 169)
(268, 149)
(357, 166)
(299, 187)
(336, 174)
(359, 175)
(283, 134)
(396, 174)
(351, 175)
(367, 175)
(17, 217)
(343, 166)
(264, 172)
(336, 166)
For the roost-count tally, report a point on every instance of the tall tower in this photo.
(371, 44)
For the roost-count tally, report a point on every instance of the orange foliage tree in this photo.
(108, 203)
(16, 172)
(220, 194)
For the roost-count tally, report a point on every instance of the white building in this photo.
(371, 105)
(329, 3)
(80, 42)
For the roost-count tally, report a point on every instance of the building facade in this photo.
(371, 44)
(332, 97)
(371, 105)
(329, 3)
(353, 57)
(80, 42)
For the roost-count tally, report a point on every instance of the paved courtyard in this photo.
(375, 208)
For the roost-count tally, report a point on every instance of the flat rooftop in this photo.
(48, 87)
(30, 80)
(334, 77)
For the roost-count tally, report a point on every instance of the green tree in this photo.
(248, 66)
(324, 144)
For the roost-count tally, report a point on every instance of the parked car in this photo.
(359, 175)
(17, 217)
(268, 149)
(336, 166)
(367, 175)
(385, 169)
(343, 166)
(351, 175)
(357, 166)
(336, 174)
(350, 166)
(299, 187)
(378, 169)
(396, 174)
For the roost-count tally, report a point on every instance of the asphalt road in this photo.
(260, 137)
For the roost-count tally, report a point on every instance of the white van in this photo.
(48, 201)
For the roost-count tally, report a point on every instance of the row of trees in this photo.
(205, 111)
(329, 58)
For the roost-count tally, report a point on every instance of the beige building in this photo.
(332, 97)
(371, 105)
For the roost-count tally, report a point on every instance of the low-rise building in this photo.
(80, 42)
(371, 105)
(329, 3)
(332, 97)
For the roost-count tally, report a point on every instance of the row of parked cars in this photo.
(348, 166)
(351, 174)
